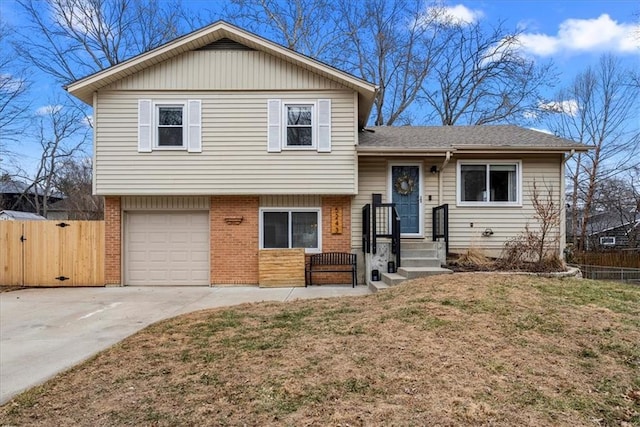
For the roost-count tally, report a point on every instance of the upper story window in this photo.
(490, 183)
(299, 125)
(170, 126)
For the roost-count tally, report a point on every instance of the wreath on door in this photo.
(404, 184)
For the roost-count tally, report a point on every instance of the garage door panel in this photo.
(167, 248)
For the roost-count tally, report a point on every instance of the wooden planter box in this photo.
(281, 268)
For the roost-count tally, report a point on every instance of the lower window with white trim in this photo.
(282, 228)
(489, 183)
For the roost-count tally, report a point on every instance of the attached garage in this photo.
(166, 248)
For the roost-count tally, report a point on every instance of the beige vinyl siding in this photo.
(505, 222)
(234, 158)
(166, 203)
(290, 201)
(374, 178)
(224, 70)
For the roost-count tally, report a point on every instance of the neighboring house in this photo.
(19, 196)
(611, 230)
(220, 144)
(7, 215)
(67, 209)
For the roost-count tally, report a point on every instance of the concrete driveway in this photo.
(45, 331)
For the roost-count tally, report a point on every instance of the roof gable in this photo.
(208, 36)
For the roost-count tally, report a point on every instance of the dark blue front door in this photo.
(405, 193)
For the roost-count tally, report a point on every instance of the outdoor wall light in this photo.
(434, 169)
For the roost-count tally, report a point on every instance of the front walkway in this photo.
(45, 331)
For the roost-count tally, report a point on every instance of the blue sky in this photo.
(571, 33)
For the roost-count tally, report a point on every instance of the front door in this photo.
(406, 193)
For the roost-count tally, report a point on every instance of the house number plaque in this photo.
(336, 220)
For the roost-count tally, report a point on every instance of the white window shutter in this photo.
(324, 125)
(145, 125)
(194, 133)
(274, 135)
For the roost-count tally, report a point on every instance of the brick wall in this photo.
(234, 246)
(335, 242)
(112, 241)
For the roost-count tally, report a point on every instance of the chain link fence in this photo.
(602, 272)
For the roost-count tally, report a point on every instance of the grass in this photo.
(462, 350)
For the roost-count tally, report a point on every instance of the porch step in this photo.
(392, 279)
(417, 244)
(414, 272)
(377, 286)
(418, 253)
(420, 262)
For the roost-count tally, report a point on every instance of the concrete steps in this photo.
(418, 259)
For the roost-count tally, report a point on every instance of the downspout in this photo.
(440, 179)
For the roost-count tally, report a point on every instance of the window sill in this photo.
(301, 148)
(489, 204)
(306, 250)
(169, 148)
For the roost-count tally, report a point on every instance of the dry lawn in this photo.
(466, 349)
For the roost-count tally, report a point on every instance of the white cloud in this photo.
(569, 107)
(585, 35)
(453, 15)
(48, 109)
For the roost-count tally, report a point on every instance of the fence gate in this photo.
(52, 253)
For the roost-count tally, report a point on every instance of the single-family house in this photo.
(19, 196)
(610, 229)
(221, 144)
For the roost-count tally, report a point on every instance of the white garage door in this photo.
(166, 248)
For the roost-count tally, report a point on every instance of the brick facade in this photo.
(335, 242)
(234, 246)
(112, 241)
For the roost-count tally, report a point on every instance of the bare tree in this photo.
(13, 88)
(61, 133)
(481, 77)
(74, 181)
(599, 109)
(306, 26)
(79, 37)
(616, 203)
(392, 44)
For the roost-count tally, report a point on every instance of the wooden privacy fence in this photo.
(52, 253)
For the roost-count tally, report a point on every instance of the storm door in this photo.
(406, 193)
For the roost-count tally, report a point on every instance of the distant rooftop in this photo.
(20, 216)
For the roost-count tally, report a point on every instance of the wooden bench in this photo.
(318, 262)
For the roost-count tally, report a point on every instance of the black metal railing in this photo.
(380, 220)
(440, 225)
(366, 228)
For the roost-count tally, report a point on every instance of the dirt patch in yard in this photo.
(462, 349)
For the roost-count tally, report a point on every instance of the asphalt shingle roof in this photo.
(19, 215)
(461, 137)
